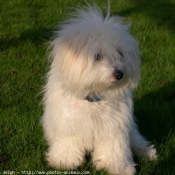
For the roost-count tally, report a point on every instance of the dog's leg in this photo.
(114, 155)
(65, 153)
(140, 145)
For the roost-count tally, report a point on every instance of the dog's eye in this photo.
(98, 56)
(121, 54)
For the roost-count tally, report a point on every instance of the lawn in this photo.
(25, 29)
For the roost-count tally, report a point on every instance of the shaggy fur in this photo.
(93, 56)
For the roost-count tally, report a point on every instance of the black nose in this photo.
(118, 74)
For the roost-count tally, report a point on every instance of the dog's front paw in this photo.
(68, 162)
(65, 155)
(130, 170)
(116, 168)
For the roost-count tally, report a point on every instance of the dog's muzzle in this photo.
(118, 74)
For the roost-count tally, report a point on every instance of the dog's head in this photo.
(92, 53)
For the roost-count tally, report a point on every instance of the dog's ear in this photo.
(132, 61)
(134, 82)
(135, 70)
(70, 60)
(129, 25)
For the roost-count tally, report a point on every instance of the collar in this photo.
(94, 99)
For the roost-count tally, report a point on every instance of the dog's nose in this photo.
(118, 74)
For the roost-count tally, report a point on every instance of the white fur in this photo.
(72, 124)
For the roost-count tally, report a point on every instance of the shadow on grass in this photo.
(35, 36)
(155, 114)
(160, 11)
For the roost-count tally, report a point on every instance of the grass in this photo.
(24, 31)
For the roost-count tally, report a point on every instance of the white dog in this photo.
(88, 104)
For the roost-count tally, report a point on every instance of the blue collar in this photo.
(94, 99)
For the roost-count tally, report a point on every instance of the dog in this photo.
(88, 96)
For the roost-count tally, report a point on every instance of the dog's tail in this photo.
(108, 10)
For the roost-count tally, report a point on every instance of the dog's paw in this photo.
(63, 162)
(130, 170)
(147, 152)
(65, 157)
(116, 168)
(152, 153)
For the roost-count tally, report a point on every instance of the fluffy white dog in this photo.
(88, 104)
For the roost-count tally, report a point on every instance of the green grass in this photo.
(25, 29)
